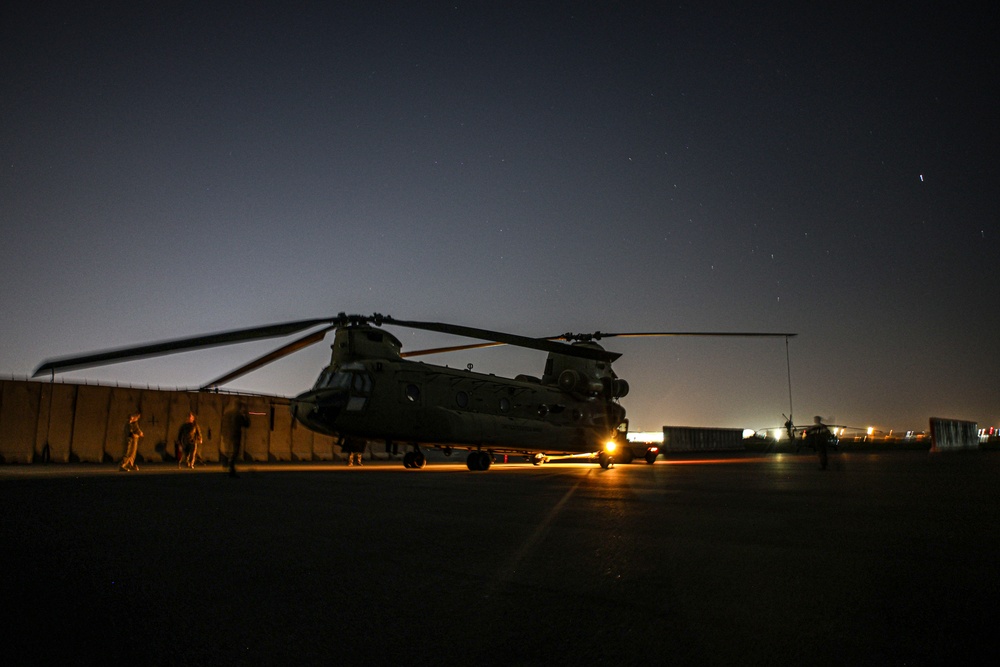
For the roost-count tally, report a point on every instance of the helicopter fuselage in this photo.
(419, 403)
(369, 392)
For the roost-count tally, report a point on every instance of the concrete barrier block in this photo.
(19, 403)
(90, 424)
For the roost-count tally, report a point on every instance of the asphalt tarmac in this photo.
(885, 558)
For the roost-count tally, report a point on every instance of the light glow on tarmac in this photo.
(169, 468)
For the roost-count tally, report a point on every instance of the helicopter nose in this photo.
(318, 410)
(301, 406)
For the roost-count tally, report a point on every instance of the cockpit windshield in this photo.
(355, 380)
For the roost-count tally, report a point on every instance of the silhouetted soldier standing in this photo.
(132, 435)
(818, 435)
(188, 439)
(238, 420)
(354, 448)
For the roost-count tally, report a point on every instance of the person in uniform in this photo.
(354, 448)
(188, 439)
(818, 436)
(132, 435)
(237, 420)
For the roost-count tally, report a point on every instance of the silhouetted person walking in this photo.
(818, 435)
(132, 435)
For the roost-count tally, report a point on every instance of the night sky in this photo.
(174, 168)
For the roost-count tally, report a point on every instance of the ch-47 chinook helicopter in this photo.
(372, 391)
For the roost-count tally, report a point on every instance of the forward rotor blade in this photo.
(177, 345)
(282, 351)
(510, 339)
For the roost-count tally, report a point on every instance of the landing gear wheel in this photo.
(478, 460)
(605, 460)
(538, 459)
(651, 457)
(414, 460)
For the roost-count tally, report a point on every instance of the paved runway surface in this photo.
(883, 559)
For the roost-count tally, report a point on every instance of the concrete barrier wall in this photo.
(54, 441)
(280, 442)
(62, 423)
(155, 406)
(18, 420)
(302, 443)
(255, 445)
(90, 424)
(698, 439)
(949, 435)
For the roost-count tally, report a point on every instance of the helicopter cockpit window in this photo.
(322, 380)
(338, 380)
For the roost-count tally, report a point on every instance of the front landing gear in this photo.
(605, 459)
(479, 460)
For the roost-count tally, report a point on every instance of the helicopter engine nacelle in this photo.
(574, 381)
(619, 388)
(614, 387)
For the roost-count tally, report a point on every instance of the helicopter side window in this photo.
(504, 405)
(462, 399)
(412, 393)
(361, 387)
(360, 384)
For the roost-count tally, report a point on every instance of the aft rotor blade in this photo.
(453, 348)
(282, 351)
(177, 345)
(510, 339)
(598, 335)
(461, 348)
